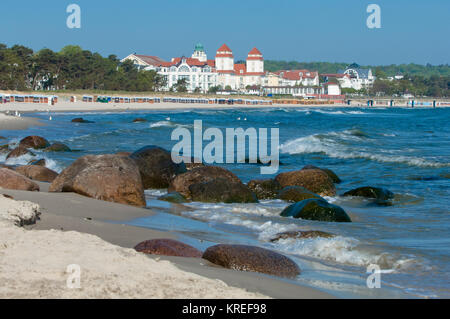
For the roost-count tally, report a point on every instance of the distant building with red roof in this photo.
(201, 73)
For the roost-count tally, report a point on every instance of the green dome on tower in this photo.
(199, 47)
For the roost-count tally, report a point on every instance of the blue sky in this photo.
(303, 30)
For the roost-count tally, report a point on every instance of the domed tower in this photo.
(224, 60)
(199, 53)
(255, 62)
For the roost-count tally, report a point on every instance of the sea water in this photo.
(404, 150)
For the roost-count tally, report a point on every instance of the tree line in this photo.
(427, 70)
(72, 68)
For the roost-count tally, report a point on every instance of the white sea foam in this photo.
(167, 124)
(342, 250)
(155, 192)
(328, 145)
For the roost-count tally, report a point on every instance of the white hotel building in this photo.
(202, 74)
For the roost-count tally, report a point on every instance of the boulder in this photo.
(156, 166)
(123, 153)
(314, 180)
(190, 163)
(251, 258)
(377, 193)
(175, 198)
(221, 190)
(301, 235)
(329, 172)
(57, 147)
(111, 178)
(139, 120)
(4, 149)
(80, 120)
(13, 180)
(296, 194)
(445, 175)
(264, 189)
(316, 209)
(167, 247)
(36, 142)
(37, 173)
(182, 182)
(2, 138)
(19, 151)
(39, 162)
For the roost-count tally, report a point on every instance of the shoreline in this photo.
(62, 107)
(9, 122)
(69, 212)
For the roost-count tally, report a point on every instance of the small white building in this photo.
(359, 78)
(332, 88)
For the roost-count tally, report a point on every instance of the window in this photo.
(183, 69)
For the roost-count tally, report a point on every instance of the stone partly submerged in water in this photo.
(81, 120)
(37, 173)
(156, 166)
(57, 147)
(19, 151)
(296, 194)
(316, 209)
(314, 180)
(139, 120)
(10, 179)
(302, 234)
(182, 182)
(174, 197)
(4, 149)
(221, 190)
(167, 247)
(251, 258)
(327, 171)
(265, 189)
(39, 162)
(110, 178)
(377, 193)
(36, 142)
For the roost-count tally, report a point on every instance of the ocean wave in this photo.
(264, 221)
(344, 250)
(27, 158)
(327, 144)
(168, 124)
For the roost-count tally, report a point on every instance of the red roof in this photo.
(240, 69)
(189, 61)
(151, 60)
(254, 51)
(296, 75)
(224, 48)
(211, 63)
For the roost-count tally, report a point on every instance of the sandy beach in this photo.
(63, 106)
(34, 264)
(9, 122)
